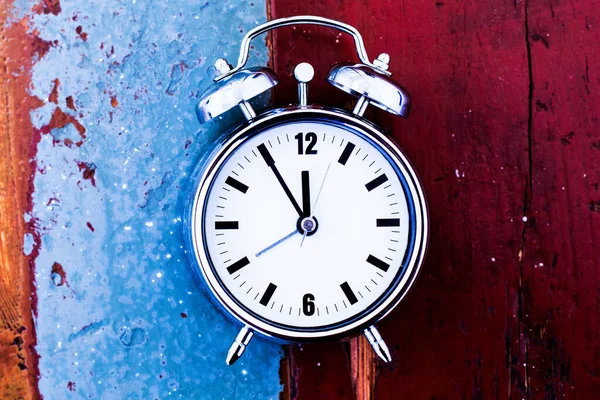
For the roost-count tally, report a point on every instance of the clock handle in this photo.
(302, 20)
(376, 341)
(239, 345)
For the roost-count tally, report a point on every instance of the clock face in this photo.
(306, 224)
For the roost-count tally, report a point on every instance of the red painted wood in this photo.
(561, 309)
(505, 115)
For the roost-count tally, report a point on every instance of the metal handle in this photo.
(301, 20)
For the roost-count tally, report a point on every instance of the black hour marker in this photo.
(227, 225)
(346, 153)
(234, 183)
(378, 263)
(236, 266)
(349, 293)
(266, 297)
(386, 222)
(376, 182)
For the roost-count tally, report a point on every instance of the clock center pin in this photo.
(308, 225)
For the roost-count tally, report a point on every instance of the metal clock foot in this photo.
(378, 344)
(239, 345)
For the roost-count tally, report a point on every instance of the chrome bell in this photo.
(371, 86)
(234, 90)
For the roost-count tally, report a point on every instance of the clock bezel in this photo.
(200, 259)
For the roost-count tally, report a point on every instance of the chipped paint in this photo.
(123, 317)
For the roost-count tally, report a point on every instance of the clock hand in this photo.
(271, 163)
(305, 194)
(283, 239)
(321, 188)
(318, 196)
(303, 237)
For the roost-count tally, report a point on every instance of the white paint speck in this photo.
(524, 219)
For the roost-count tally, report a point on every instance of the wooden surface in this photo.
(98, 141)
(505, 135)
(18, 360)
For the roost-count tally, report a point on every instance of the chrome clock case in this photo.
(370, 83)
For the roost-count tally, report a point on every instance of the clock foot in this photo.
(239, 345)
(379, 346)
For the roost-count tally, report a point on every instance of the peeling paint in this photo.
(118, 142)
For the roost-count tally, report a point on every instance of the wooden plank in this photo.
(319, 372)
(460, 333)
(96, 87)
(504, 131)
(561, 257)
(18, 359)
(362, 367)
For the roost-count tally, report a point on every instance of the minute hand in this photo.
(271, 163)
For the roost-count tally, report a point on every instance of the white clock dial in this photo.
(350, 192)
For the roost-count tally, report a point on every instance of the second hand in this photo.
(283, 239)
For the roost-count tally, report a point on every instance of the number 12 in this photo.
(311, 138)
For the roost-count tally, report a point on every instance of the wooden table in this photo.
(505, 134)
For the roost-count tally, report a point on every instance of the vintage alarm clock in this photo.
(306, 222)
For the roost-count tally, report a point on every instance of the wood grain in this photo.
(18, 360)
(561, 257)
(504, 133)
(363, 364)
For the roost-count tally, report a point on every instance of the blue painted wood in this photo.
(119, 314)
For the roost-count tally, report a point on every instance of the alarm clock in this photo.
(306, 223)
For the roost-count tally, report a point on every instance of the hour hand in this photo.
(305, 194)
(264, 152)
